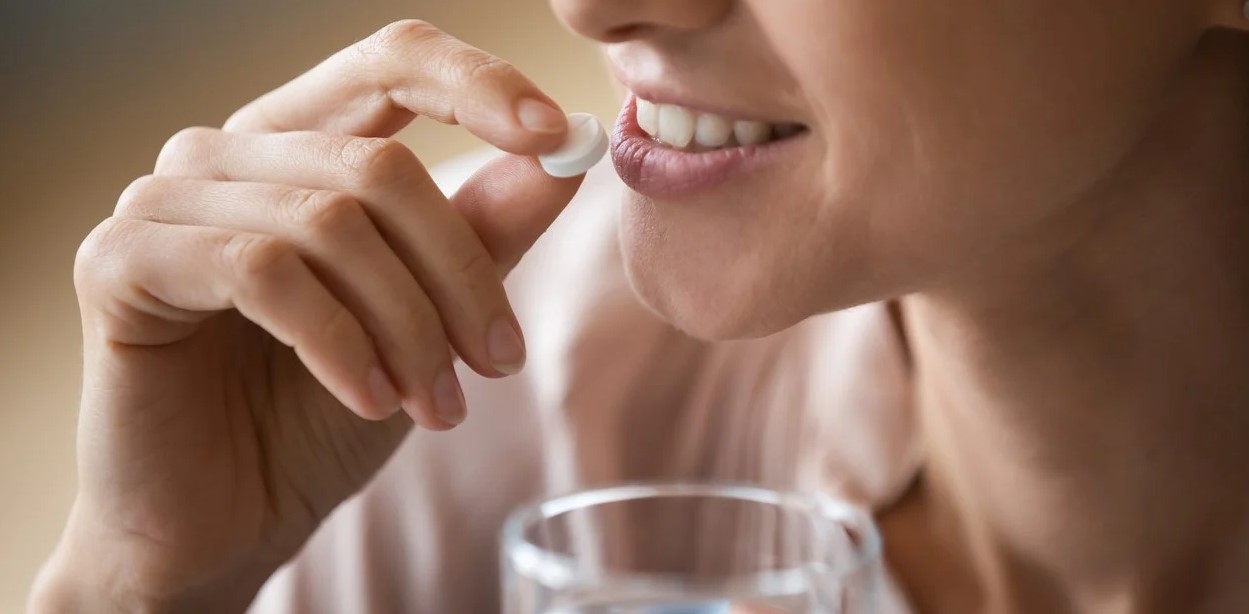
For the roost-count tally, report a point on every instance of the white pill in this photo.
(584, 147)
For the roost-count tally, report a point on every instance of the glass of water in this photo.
(690, 549)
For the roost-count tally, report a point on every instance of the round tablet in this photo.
(584, 147)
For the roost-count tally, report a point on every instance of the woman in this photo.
(1009, 235)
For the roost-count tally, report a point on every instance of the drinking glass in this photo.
(690, 548)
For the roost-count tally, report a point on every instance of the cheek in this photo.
(949, 129)
(941, 132)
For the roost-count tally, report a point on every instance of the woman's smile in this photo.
(669, 151)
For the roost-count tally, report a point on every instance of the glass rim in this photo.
(561, 571)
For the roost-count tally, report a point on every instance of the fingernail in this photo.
(384, 393)
(448, 398)
(537, 116)
(505, 346)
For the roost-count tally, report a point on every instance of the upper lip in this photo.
(652, 91)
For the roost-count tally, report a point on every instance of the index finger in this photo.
(410, 68)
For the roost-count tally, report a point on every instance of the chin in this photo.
(709, 303)
(721, 281)
(746, 260)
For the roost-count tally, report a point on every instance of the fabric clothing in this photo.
(610, 393)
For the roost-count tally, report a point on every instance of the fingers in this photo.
(436, 245)
(509, 203)
(262, 277)
(335, 236)
(411, 68)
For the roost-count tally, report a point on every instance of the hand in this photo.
(259, 310)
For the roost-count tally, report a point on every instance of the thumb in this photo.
(510, 202)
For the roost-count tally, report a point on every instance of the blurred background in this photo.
(89, 91)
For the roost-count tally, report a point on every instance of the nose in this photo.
(613, 21)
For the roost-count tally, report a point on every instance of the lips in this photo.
(658, 170)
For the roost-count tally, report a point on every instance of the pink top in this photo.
(610, 393)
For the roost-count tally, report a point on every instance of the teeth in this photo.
(712, 130)
(751, 133)
(648, 117)
(679, 127)
(676, 125)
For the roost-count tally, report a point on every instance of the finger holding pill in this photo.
(310, 284)
(584, 146)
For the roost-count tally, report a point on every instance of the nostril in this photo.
(626, 32)
(615, 21)
(607, 21)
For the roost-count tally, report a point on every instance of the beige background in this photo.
(89, 90)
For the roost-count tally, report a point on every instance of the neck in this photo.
(1086, 409)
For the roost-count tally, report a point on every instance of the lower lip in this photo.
(656, 171)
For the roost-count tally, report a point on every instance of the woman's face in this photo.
(935, 136)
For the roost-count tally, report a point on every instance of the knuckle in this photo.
(377, 161)
(339, 323)
(136, 200)
(477, 268)
(324, 213)
(424, 322)
(184, 147)
(100, 251)
(421, 325)
(398, 35)
(478, 67)
(258, 259)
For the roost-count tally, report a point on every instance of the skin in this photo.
(1053, 192)
(1057, 193)
(227, 412)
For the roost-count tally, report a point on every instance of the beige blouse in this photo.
(610, 393)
